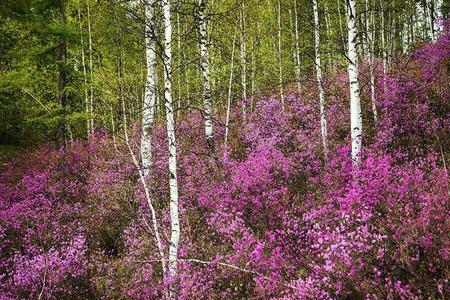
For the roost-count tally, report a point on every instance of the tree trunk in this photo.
(243, 61)
(148, 110)
(227, 120)
(204, 65)
(297, 48)
(355, 101)
(173, 183)
(154, 227)
(252, 84)
(280, 67)
(63, 78)
(323, 119)
(180, 72)
(383, 44)
(370, 48)
(113, 128)
(91, 71)
(341, 30)
(83, 63)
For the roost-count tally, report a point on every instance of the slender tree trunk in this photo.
(329, 34)
(91, 70)
(383, 44)
(173, 183)
(230, 84)
(185, 72)
(437, 17)
(148, 109)
(113, 128)
(155, 227)
(83, 63)
(412, 21)
(280, 62)
(252, 84)
(323, 119)
(432, 20)
(355, 101)
(425, 19)
(204, 65)
(243, 61)
(341, 30)
(370, 48)
(297, 48)
(180, 73)
(63, 78)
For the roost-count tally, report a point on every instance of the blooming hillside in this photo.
(266, 217)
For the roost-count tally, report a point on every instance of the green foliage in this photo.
(110, 35)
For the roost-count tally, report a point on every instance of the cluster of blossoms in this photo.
(264, 218)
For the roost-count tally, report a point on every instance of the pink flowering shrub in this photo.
(265, 218)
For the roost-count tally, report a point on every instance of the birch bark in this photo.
(280, 67)
(355, 101)
(323, 119)
(91, 102)
(204, 65)
(243, 61)
(148, 110)
(83, 63)
(370, 47)
(173, 183)
(297, 48)
(227, 120)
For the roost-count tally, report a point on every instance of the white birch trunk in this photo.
(328, 31)
(430, 6)
(173, 184)
(383, 44)
(204, 65)
(243, 61)
(230, 83)
(252, 84)
(180, 73)
(83, 63)
(370, 47)
(355, 101)
(91, 103)
(323, 119)
(297, 48)
(155, 227)
(113, 128)
(148, 109)
(280, 67)
(437, 19)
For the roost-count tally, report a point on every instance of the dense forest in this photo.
(224, 149)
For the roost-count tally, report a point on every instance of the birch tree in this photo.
(383, 40)
(323, 119)
(355, 101)
(280, 67)
(204, 65)
(155, 227)
(173, 183)
(91, 102)
(230, 84)
(370, 47)
(243, 60)
(148, 109)
(63, 72)
(83, 64)
(297, 48)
